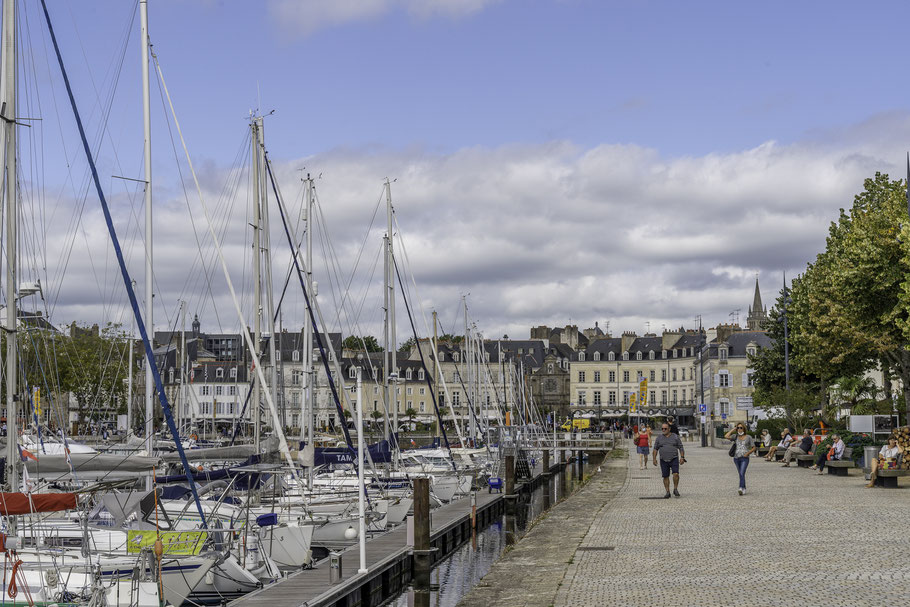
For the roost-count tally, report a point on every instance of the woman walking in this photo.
(744, 446)
(642, 439)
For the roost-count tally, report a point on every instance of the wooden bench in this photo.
(887, 478)
(762, 451)
(840, 467)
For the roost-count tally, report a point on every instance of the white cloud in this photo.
(306, 16)
(537, 234)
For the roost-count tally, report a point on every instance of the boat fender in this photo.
(210, 578)
(50, 578)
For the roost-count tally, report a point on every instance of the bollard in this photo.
(546, 461)
(510, 474)
(562, 457)
(335, 571)
(473, 510)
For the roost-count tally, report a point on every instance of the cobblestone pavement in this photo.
(795, 538)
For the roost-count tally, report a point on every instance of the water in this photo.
(454, 576)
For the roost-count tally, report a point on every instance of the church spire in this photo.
(757, 312)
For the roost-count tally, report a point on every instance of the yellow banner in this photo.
(643, 395)
(632, 401)
(184, 543)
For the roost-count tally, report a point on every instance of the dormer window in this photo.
(352, 372)
(550, 368)
(675, 353)
(233, 373)
(625, 355)
(408, 374)
(420, 375)
(651, 355)
(295, 356)
(597, 356)
(751, 350)
(638, 356)
(611, 356)
(663, 354)
(581, 357)
(219, 373)
(456, 356)
(722, 353)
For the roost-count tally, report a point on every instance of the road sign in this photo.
(723, 416)
(702, 408)
(703, 420)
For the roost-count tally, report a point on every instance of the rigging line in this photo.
(426, 371)
(165, 405)
(246, 334)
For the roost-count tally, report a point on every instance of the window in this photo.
(408, 373)
(219, 390)
(674, 372)
(722, 353)
(611, 397)
(410, 391)
(611, 356)
(651, 355)
(674, 397)
(663, 375)
(352, 372)
(748, 378)
(232, 390)
(652, 375)
(456, 357)
(219, 373)
(597, 397)
(581, 397)
(751, 350)
(442, 356)
(581, 357)
(456, 399)
(638, 356)
(684, 395)
(423, 407)
(421, 375)
(295, 356)
(611, 376)
(581, 376)
(375, 389)
(597, 356)
(170, 373)
(663, 397)
(625, 397)
(233, 373)
(723, 379)
(724, 406)
(597, 377)
(625, 376)
(422, 391)
(653, 396)
(675, 353)
(550, 368)
(205, 390)
(625, 356)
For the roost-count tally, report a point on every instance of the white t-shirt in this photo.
(889, 453)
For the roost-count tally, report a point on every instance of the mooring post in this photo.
(510, 475)
(422, 553)
(546, 461)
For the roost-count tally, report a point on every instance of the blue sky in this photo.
(690, 143)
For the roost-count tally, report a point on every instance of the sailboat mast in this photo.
(8, 100)
(465, 349)
(267, 262)
(308, 417)
(257, 278)
(149, 293)
(393, 337)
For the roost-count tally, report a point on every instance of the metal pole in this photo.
(257, 278)
(12, 194)
(269, 294)
(149, 282)
(309, 378)
(362, 531)
(129, 379)
(786, 339)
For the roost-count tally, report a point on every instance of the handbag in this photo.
(732, 452)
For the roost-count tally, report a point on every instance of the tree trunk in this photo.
(905, 380)
(886, 382)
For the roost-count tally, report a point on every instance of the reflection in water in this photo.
(456, 575)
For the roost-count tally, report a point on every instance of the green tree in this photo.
(367, 343)
(410, 413)
(405, 347)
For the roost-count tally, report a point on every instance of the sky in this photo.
(634, 164)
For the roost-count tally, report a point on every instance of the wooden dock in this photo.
(389, 560)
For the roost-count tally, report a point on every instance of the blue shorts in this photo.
(643, 450)
(667, 467)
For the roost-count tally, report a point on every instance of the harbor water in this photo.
(455, 575)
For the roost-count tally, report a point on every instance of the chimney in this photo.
(628, 338)
(669, 339)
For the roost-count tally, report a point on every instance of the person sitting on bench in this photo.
(801, 448)
(785, 439)
(835, 452)
(765, 438)
(888, 453)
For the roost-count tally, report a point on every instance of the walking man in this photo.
(672, 454)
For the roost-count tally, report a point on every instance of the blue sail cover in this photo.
(379, 452)
(247, 480)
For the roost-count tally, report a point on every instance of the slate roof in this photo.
(739, 341)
